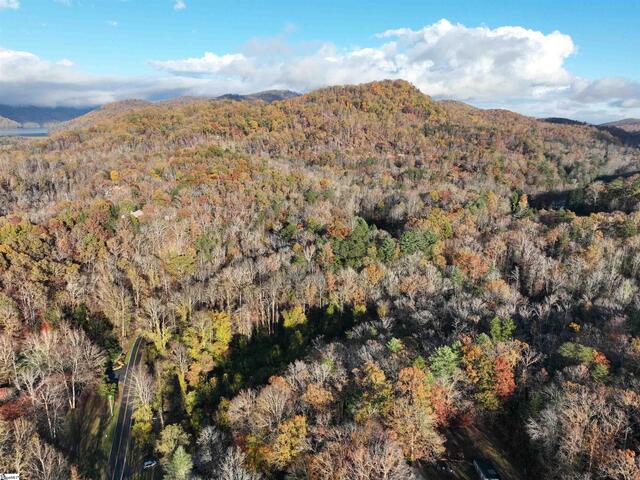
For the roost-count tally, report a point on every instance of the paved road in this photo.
(465, 444)
(122, 432)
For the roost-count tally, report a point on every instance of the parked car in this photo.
(149, 464)
(485, 469)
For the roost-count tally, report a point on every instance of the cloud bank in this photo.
(509, 67)
(442, 59)
(26, 79)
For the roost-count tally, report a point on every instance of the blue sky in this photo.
(82, 51)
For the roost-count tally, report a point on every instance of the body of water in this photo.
(24, 132)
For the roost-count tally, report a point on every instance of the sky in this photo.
(567, 58)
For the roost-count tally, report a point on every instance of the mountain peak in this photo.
(382, 88)
(380, 97)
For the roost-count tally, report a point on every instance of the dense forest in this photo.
(327, 286)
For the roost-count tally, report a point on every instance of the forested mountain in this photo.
(266, 96)
(628, 124)
(32, 116)
(29, 116)
(327, 285)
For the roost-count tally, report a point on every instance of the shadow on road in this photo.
(465, 444)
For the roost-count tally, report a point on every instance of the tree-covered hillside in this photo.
(327, 285)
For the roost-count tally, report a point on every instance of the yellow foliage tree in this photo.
(294, 317)
(290, 442)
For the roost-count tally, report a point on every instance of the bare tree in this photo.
(352, 453)
(49, 396)
(621, 465)
(23, 432)
(181, 361)
(32, 299)
(529, 356)
(211, 446)
(28, 378)
(79, 361)
(272, 405)
(158, 322)
(5, 445)
(232, 467)
(116, 303)
(143, 386)
(7, 360)
(46, 462)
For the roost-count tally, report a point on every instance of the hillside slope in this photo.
(390, 122)
(338, 285)
(41, 116)
(628, 124)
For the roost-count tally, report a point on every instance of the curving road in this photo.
(122, 432)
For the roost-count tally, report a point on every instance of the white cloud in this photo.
(9, 4)
(507, 67)
(112, 23)
(26, 79)
(210, 63)
(443, 59)
(179, 5)
(618, 91)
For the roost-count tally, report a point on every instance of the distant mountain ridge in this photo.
(266, 96)
(628, 124)
(31, 116)
(393, 117)
(627, 130)
(563, 121)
